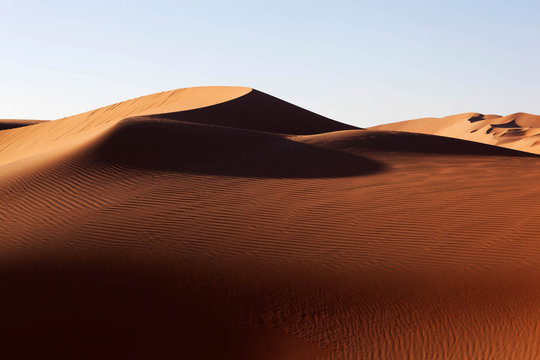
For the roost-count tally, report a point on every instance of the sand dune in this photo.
(520, 131)
(224, 223)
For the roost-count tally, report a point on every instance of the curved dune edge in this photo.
(60, 135)
(519, 131)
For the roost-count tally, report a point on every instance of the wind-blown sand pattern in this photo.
(223, 223)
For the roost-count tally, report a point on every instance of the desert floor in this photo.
(223, 223)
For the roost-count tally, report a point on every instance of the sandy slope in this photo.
(15, 123)
(520, 131)
(223, 233)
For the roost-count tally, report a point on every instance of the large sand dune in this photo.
(223, 223)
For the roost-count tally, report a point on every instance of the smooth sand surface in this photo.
(519, 131)
(223, 223)
(15, 123)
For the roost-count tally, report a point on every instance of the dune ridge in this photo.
(187, 224)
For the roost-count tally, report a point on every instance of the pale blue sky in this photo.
(361, 62)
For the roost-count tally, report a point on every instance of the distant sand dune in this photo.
(224, 223)
(520, 131)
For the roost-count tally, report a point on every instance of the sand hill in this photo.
(223, 223)
(518, 131)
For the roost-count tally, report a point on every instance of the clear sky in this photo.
(360, 62)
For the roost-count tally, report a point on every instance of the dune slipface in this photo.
(224, 223)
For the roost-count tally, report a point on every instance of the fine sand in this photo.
(223, 223)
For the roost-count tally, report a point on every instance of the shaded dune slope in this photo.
(162, 144)
(146, 230)
(159, 143)
(262, 112)
(518, 131)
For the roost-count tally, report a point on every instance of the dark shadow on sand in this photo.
(171, 145)
(116, 309)
(261, 112)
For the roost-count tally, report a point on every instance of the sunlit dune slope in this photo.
(520, 131)
(15, 123)
(238, 226)
(238, 107)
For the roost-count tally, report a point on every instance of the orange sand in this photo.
(222, 223)
(15, 123)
